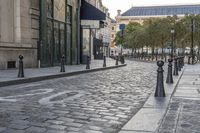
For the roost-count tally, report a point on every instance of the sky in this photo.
(124, 5)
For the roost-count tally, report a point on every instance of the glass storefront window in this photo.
(50, 8)
(69, 42)
(86, 42)
(69, 14)
(56, 42)
(48, 49)
(58, 34)
(62, 39)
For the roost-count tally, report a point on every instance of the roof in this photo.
(163, 10)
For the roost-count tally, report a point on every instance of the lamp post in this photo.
(172, 42)
(192, 41)
(169, 74)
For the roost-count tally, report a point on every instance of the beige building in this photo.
(139, 14)
(97, 32)
(113, 31)
(40, 30)
(18, 32)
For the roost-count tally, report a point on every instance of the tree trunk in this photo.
(132, 50)
(147, 55)
(156, 54)
(152, 54)
(142, 52)
(162, 47)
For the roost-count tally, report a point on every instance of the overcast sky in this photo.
(124, 5)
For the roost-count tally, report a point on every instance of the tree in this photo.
(156, 33)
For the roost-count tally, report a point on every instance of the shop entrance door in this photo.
(59, 41)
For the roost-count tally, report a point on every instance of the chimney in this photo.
(118, 12)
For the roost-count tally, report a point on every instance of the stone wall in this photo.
(6, 21)
(18, 33)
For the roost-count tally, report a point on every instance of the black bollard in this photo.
(156, 57)
(116, 61)
(62, 64)
(165, 58)
(104, 61)
(175, 67)
(183, 61)
(122, 59)
(160, 91)
(169, 74)
(179, 63)
(189, 59)
(21, 67)
(88, 62)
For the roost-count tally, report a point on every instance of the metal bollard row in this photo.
(178, 64)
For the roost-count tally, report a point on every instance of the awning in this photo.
(89, 12)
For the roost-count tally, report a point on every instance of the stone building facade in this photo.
(40, 30)
(59, 31)
(18, 33)
(139, 14)
(100, 36)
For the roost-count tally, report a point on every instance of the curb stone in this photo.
(54, 76)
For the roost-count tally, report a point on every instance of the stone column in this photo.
(17, 22)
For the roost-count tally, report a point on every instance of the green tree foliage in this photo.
(156, 33)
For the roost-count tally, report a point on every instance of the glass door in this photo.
(57, 55)
(62, 39)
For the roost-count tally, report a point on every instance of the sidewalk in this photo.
(183, 114)
(9, 77)
(149, 117)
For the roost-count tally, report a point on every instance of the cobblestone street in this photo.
(89, 103)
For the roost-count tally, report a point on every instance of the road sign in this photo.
(122, 26)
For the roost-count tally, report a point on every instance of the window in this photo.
(50, 8)
(69, 14)
(58, 32)
(59, 10)
(113, 28)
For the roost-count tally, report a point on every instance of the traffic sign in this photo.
(122, 26)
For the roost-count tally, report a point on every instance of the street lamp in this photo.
(192, 41)
(169, 74)
(172, 42)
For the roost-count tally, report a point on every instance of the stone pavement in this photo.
(149, 117)
(183, 114)
(98, 102)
